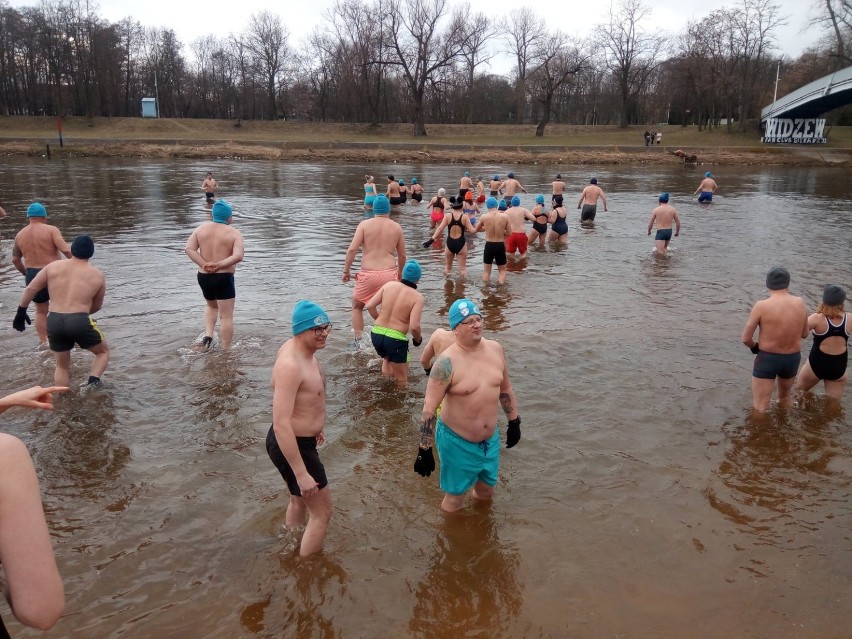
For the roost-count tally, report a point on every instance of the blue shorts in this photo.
(464, 462)
(663, 234)
(390, 344)
(705, 196)
(771, 365)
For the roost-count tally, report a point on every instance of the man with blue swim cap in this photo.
(37, 245)
(471, 378)
(517, 240)
(496, 225)
(663, 216)
(510, 187)
(216, 248)
(465, 185)
(298, 425)
(707, 188)
(397, 307)
(495, 186)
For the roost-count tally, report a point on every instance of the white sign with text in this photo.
(794, 131)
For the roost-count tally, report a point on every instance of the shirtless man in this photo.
(217, 248)
(589, 201)
(77, 290)
(496, 225)
(298, 422)
(471, 378)
(707, 188)
(558, 190)
(438, 342)
(392, 192)
(480, 188)
(382, 259)
(783, 322)
(209, 185)
(496, 186)
(465, 185)
(37, 245)
(401, 307)
(663, 216)
(510, 187)
(517, 239)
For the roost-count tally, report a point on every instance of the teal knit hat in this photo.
(222, 211)
(307, 315)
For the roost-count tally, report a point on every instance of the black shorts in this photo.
(588, 212)
(417, 197)
(396, 201)
(66, 329)
(462, 193)
(217, 286)
(310, 457)
(209, 195)
(494, 252)
(42, 296)
(389, 347)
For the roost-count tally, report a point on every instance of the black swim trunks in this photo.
(217, 286)
(66, 329)
(588, 212)
(310, 456)
(42, 296)
(209, 195)
(396, 201)
(494, 252)
(771, 365)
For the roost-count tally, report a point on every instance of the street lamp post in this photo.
(777, 76)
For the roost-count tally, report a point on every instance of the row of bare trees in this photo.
(418, 61)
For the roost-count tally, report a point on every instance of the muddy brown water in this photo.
(642, 501)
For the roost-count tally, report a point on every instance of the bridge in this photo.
(814, 99)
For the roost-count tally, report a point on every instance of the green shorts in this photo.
(390, 344)
(464, 462)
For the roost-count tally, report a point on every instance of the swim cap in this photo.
(36, 209)
(412, 271)
(467, 173)
(414, 180)
(777, 278)
(502, 206)
(707, 174)
(491, 203)
(516, 201)
(83, 247)
(833, 295)
(308, 315)
(402, 182)
(539, 199)
(442, 192)
(456, 203)
(511, 175)
(594, 180)
(460, 310)
(481, 198)
(496, 177)
(222, 211)
(381, 205)
(468, 196)
(664, 197)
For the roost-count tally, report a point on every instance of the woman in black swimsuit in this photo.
(558, 225)
(539, 229)
(457, 223)
(828, 356)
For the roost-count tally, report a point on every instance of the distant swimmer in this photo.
(707, 188)
(401, 308)
(457, 224)
(216, 248)
(557, 189)
(382, 247)
(496, 186)
(465, 185)
(663, 217)
(782, 321)
(77, 291)
(370, 194)
(558, 222)
(540, 220)
(496, 225)
(510, 187)
(438, 342)
(37, 245)
(403, 191)
(416, 191)
(517, 240)
(438, 204)
(471, 378)
(480, 188)
(829, 353)
(392, 193)
(209, 185)
(298, 425)
(589, 201)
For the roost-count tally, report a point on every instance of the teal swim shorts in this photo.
(464, 462)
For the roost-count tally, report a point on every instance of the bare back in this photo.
(298, 377)
(39, 244)
(664, 216)
(558, 187)
(75, 286)
(510, 186)
(591, 194)
(217, 242)
(782, 320)
(401, 307)
(496, 225)
(380, 242)
(517, 216)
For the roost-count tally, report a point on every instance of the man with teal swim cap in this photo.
(37, 245)
(663, 216)
(496, 226)
(471, 378)
(465, 185)
(400, 306)
(707, 188)
(216, 248)
(298, 425)
(510, 188)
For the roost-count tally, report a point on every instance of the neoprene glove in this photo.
(428, 369)
(513, 432)
(415, 341)
(21, 317)
(755, 349)
(424, 465)
(429, 242)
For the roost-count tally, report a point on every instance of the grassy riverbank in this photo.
(301, 141)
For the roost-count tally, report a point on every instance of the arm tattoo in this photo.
(506, 403)
(442, 369)
(427, 430)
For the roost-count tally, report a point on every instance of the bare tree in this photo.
(474, 53)
(836, 17)
(266, 39)
(557, 62)
(521, 30)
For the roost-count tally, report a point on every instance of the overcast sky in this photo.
(221, 17)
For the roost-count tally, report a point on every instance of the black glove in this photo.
(428, 369)
(415, 341)
(756, 348)
(429, 242)
(424, 465)
(513, 432)
(21, 317)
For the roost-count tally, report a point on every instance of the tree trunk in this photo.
(545, 117)
(419, 116)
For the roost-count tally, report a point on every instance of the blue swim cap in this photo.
(502, 206)
(511, 175)
(539, 199)
(460, 310)
(414, 180)
(664, 197)
(491, 202)
(412, 271)
(467, 173)
(516, 201)
(222, 211)
(402, 182)
(83, 247)
(381, 205)
(36, 209)
(308, 315)
(496, 177)
(707, 174)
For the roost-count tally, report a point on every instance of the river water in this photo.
(642, 501)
